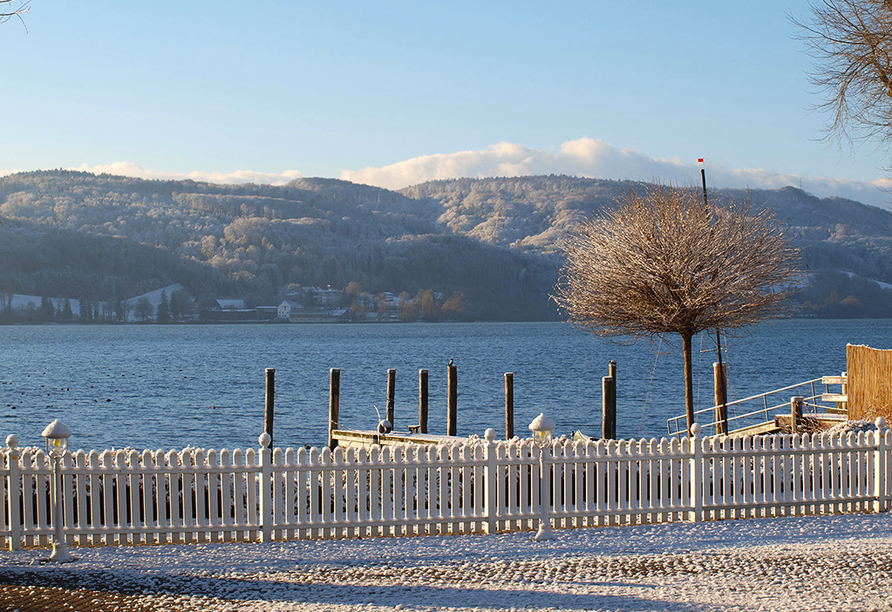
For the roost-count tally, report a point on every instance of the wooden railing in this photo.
(764, 407)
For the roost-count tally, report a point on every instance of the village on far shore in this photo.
(174, 304)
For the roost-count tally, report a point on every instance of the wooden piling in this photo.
(422, 401)
(270, 403)
(720, 384)
(509, 405)
(334, 403)
(796, 404)
(608, 408)
(391, 393)
(451, 400)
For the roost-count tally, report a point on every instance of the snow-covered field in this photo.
(813, 563)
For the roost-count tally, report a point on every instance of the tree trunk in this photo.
(688, 380)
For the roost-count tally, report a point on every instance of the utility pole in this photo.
(718, 339)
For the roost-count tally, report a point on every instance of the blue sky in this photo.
(394, 93)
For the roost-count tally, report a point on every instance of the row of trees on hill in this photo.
(497, 240)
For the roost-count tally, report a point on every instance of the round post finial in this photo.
(490, 434)
(265, 440)
(695, 430)
(880, 423)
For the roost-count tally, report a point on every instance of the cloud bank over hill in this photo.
(594, 158)
(237, 177)
(585, 157)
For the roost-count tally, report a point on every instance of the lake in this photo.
(172, 386)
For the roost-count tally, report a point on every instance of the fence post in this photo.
(266, 489)
(545, 492)
(882, 476)
(796, 413)
(696, 448)
(14, 489)
(492, 475)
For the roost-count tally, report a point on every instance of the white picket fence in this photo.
(127, 497)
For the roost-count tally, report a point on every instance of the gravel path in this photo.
(814, 563)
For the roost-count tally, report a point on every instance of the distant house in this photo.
(237, 310)
(294, 312)
(326, 297)
(230, 305)
(287, 307)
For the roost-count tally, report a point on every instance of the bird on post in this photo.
(450, 362)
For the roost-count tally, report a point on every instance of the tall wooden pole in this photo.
(509, 405)
(422, 401)
(391, 393)
(723, 400)
(269, 412)
(334, 405)
(451, 400)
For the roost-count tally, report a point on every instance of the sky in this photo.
(397, 93)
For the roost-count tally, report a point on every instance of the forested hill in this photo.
(104, 237)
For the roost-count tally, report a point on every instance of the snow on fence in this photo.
(128, 497)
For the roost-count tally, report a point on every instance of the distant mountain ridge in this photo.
(495, 239)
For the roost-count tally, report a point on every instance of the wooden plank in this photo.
(834, 380)
(834, 397)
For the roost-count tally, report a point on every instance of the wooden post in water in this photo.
(509, 405)
(334, 405)
(796, 404)
(720, 382)
(270, 403)
(451, 399)
(422, 401)
(608, 408)
(608, 402)
(391, 393)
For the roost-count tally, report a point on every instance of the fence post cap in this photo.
(695, 430)
(880, 423)
(490, 434)
(265, 439)
(12, 441)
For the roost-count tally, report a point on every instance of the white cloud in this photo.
(587, 157)
(590, 157)
(124, 168)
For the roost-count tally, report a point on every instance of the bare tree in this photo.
(661, 261)
(851, 41)
(13, 8)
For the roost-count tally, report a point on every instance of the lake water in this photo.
(172, 386)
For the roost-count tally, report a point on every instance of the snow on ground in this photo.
(841, 562)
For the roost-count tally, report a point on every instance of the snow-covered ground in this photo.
(813, 563)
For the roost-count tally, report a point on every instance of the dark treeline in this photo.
(106, 238)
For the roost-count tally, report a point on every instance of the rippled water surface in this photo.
(171, 386)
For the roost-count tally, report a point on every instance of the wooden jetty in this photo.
(863, 392)
(351, 437)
